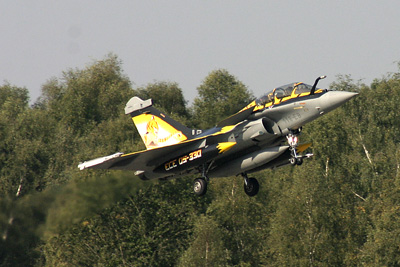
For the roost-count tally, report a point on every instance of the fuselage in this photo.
(264, 134)
(259, 139)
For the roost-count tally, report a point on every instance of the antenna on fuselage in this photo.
(315, 84)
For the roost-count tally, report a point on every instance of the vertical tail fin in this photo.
(156, 128)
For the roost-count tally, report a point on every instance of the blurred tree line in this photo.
(342, 208)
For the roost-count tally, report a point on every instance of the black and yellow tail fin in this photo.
(156, 128)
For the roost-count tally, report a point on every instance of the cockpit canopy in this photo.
(291, 89)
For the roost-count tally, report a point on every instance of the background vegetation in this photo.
(342, 208)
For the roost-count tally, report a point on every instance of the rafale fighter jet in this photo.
(262, 135)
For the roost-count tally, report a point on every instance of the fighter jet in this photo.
(262, 135)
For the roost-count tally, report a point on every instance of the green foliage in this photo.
(77, 200)
(241, 219)
(165, 95)
(13, 101)
(339, 209)
(149, 228)
(220, 95)
(88, 96)
(207, 249)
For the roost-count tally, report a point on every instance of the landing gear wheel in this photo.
(299, 161)
(292, 161)
(252, 187)
(200, 186)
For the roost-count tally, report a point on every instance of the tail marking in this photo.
(155, 132)
(155, 128)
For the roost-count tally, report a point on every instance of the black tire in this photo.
(252, 187)
(292, 161)
(299, 161)
(200, 187)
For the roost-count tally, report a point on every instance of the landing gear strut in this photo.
(251, 185)
(293, 141)
(200, 184)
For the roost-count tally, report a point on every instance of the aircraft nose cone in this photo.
(334, 99)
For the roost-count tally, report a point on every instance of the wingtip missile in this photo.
(92, 163)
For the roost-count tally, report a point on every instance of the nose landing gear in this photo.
(296, 161)
(293, 141)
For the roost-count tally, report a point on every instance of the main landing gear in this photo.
(251, 185)
(293, 141)
(200, 186)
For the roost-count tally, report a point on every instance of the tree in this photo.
(160, 213)
(382, 140)
(88, 96)
(167, 96)
(207, 247)
(148, 228)
(243, 221)
(220, 96)
(13, 102)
